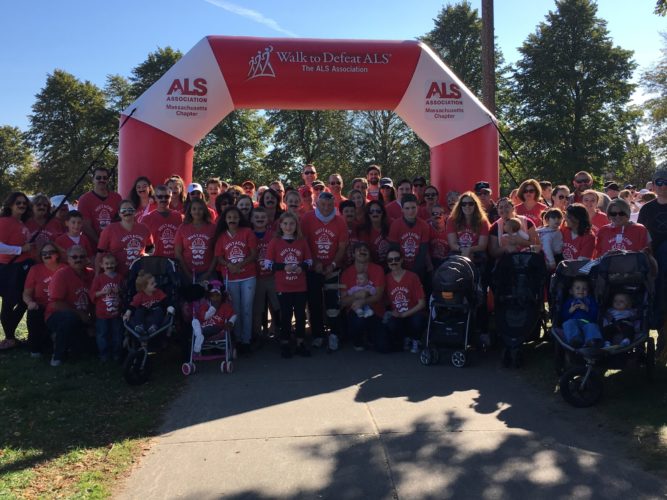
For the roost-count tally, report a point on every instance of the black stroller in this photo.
(452, 305)
(518, 285)
(139, 343)
(582, 370)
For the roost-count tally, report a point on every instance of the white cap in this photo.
(58, 199)
(195, 187)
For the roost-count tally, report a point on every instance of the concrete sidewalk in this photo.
(368, 426)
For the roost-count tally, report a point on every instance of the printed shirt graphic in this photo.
(282, 251)
(49, 232)
(163, 229)
(223, 314)
(108, 305)
(379, 245)
(376, 278)
(409, 238)
(581, 246)
(71, 288)
(262, 247)
(235, 249)
(13, 232)
(38, 280)
(404, 294)
(197, 245)
(466, 236)
(324, 239)
(100, 212)
(439, 245)
(126, 246)
(632, 237)
(142, 299)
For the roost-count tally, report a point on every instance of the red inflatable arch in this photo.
(221, 74)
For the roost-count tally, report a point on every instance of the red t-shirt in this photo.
(262, 247)
(439, 245)
(404, 294)
(196, 244)
(598, 220)
(99, 211)
(283, 251)
(38, 279)
(466, 236)
(223, 314)
(126, 246)
(66, 285)
(16, 233)
(142, 213)
(142, 299)
(235, 249)
(324, 239)
(107, 306)
(49, 232)
(64, 242)
(632, 237)
(409, 238)
(533, 214)
(379, 245)
(394, 210)
(353, 235)
(582, 246)
(376, 278)
(163, 227)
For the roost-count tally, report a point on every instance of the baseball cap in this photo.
(481, 185)
(248, 183)
(195, 187)
(661, 172)
(318, 183)
(419, 178)
(613, 186)
(386, 181)
(373, 167)
(629, 186)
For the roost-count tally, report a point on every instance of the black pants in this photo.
(39, 339)
(12, 280)
(69, 334)
(319, 300)
(292, 303)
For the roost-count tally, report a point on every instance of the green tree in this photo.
(654, 81)
(638, 164)
(118, 93)
(151, 70)
(234, 150)
(661, 7)
(16, 161)
(69, 125)
(382, 138)
(572, 88)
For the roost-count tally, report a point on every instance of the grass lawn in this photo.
(72, 431)
(631, 405)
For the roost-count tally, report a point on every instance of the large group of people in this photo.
(358, 261)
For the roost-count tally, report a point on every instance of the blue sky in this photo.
(92, 39)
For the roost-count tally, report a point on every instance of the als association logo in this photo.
(260, 64)
(184, 87)
(444, 90)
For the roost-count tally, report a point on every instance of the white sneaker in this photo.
(35, 354)
(317, 342)
(369, 313)
(415, 347)
(56, 362)
(333, 342)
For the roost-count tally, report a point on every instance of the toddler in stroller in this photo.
(149, 305)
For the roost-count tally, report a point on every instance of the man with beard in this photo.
(373, 175)
(583, 181)
(99, 207)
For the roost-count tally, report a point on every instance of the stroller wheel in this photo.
(230, 367)
(650, 358)
(223, 367)
(426, 357)
(137, 369)
(581, 386)
(459, 359)
(187, 368)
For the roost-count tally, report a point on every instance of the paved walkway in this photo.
(367, 426)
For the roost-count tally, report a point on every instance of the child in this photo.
(74, 235)
(580, 316)
(550, 236)
(265, 290)
(513, 227)
(148, 305)
(105, 294)
(362, 290)
(213, 319)
(288, 256)
(620, 322)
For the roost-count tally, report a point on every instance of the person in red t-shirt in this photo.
(375, 231)
(578, 239)
(15, 255)
(146, 312)
(412, 235)
(622, 234)
(373, 176)
(163, 223)
(405, 320)
(236, 252)
(193, 243)
(105, 294)
(74, 236)
(530, 193)
(591, 200)
(99, 206)
(69, 314)
(327, 237)
(42, 231)
(288, 256)
(468, 227)
(439, 244)
(393, 208)
(36, 296)
(348, 212)
(364, 330)
(265, 291)
(336, 188)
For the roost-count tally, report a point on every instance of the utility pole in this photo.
(488, 58)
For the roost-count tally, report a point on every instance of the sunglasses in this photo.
(437, 214)
(582, 181)
(617, 214)
(393, 260)
(309, 172)
(163, 196)
(430, 195)
(101, 178)
(561, 196)
(529, 191)
(418, 185)
(77, 257)
(318, 188)
(127, 211)
(334, 183)
(48, 253)
(660, 182)
(467, 203)
(375, 211)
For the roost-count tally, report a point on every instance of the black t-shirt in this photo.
(653, 215)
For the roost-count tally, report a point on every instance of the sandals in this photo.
(7, 344)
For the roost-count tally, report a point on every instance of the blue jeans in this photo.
(242, 293)
(109, 337)
(400, 328)
(581, 332)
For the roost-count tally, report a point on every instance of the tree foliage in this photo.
(151, 70)
(655, 82)
(69, 125)
(16, 161)
(661, 7)
(572, 88)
